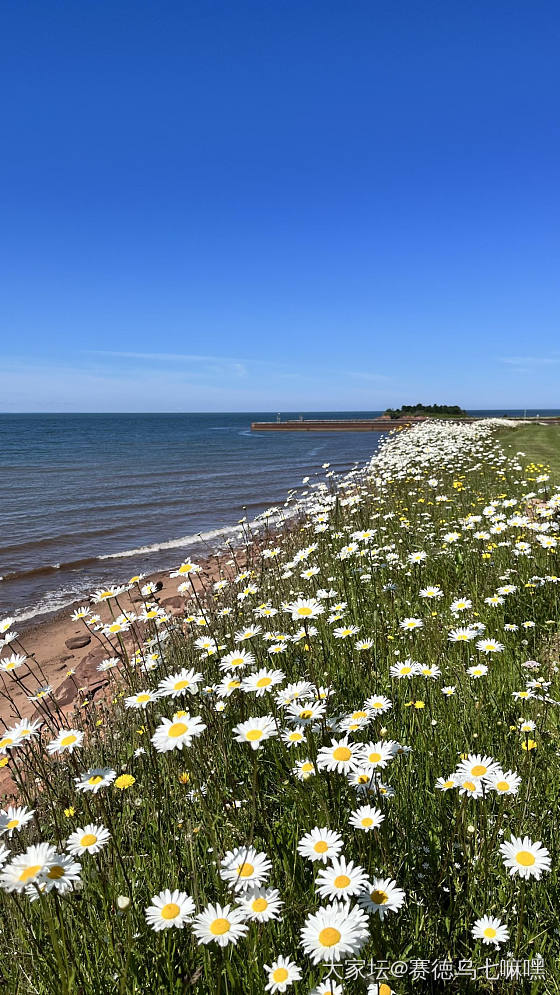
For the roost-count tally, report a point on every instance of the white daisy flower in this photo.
(220, 924)
(320, 844)
(175, 733)
(281, 974)
(141, 699)
(490, 930)
(94, 779)
(169, 908)
(91, 839)
(523, 857)
(255, 731)
(13, 819)
(262, 681)
(261, 904)
(244, 868)
(366, 818)
(378, 704)
(67, 741)
(238, 658)
(27, 867)
(334, 932)
(342, 880)
(183, 682)
(341, 756)
(382, 896)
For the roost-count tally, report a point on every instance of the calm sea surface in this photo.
(90, 499)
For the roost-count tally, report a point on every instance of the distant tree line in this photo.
(439, 410)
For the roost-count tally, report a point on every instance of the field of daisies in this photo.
(341, 759)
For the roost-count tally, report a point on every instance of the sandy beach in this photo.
(71, 671)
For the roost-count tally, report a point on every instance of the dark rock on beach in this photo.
(76, 642)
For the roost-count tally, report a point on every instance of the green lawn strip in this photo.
(539, 443)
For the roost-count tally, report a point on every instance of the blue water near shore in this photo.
(88, 499)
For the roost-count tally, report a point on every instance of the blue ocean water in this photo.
(91, 499)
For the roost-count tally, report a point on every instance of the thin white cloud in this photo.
(527, 363)
(165, 356)
(373, 377)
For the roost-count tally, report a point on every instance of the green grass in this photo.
(540, 443)
(187, 808)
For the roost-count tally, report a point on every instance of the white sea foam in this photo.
(189, 540)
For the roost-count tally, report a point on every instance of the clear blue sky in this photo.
(279, 205)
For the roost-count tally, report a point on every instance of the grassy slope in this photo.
(540, 443)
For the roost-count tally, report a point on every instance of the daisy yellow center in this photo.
(280, 974)
(367, 821)
(329, 936)
(180, 685)
(68, 740)
(95, 779)
(304, 611)
(88, 839)
(12, 824)
(245, 870)
(237, 662)
(490, 932)
(406, 670)
(263, 682)
(374, 758)
(259, 905)
(254, 734)
(56, 872)
(177, 729)
(30, 872)
(170, 911)
(478, 770)
(379, 897)
(295, 736)
(342, 753)
(363, 778)
(378, 704)
(219, 926)
(306, 713)
(142, 698)
(502, 785)
(321, 846)
(525, 858)
(449, 784)
(342, 881)
(307, 768)
(6, 742)
(470, 786)
(359, 715)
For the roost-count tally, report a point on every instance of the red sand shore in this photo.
(72, 672)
